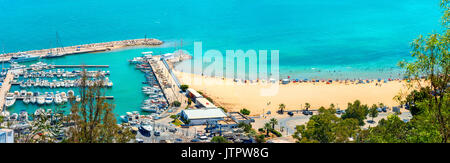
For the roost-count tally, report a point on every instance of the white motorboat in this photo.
(64, 97)
(127, 118)
(149, 108)
(58, 99)
(10, 99)
(41, 99)
(49, 98)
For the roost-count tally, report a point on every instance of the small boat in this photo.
(23, 93)
(41, 99)
(127, 118)
(58, 99)
(64, 97)
(23, 116)
(49, 98)
(149, 108)
(22, 57)
(10, 99)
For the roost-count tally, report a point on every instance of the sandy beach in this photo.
(237, 95)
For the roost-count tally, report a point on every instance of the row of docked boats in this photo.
(60, 83)
(61, 73)
(22, 116)
(137, 60)
(156, 101)
(39, 98)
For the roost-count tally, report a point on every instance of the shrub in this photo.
(225, 110)
(275, 132)
(219, 139)
(245, 111)
(176, 103)
(184, 87)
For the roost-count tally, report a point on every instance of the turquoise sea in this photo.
(316, 39)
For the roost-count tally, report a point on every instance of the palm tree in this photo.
(281, 107)
(307, 106)
(267, 127)
(274, 122)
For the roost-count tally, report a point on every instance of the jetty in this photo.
(169, 84)
(6, 85)
(85, 48)
(105, 97)
(80, 66)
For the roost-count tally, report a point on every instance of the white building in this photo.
(201, 116)
(193, 94)
(6, 136)
(204, 103)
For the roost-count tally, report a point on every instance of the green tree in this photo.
(273, 122)
(307, 106)
(176, 103)
(184, 87)
(281, 108)
(431, 62)
(357, 111)
(245, 111)
(219, 139)
(267, 127)
(246, 127)
(373, 112)
(93, 117)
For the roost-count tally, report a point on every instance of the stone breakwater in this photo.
(85, 48)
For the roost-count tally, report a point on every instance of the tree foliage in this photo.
(357, 111)
(93, 117)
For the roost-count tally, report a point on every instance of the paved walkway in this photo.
(6, 85)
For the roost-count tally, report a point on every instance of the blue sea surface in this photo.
(316, 39)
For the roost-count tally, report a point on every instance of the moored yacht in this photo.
(10, 99)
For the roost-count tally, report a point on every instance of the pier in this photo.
(168, 83)
(106, 97)
(6, 85)
(81, 66)
(85, 48)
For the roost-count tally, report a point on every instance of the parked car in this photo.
(139, 141)
(290, 113)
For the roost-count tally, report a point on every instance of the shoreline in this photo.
(234, 96)
(86, 48)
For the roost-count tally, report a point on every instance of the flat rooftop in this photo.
(204, 113)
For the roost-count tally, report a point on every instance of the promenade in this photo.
(168, 83)
(6, 85)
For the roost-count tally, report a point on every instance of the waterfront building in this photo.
(202, 116)
(204, 103)
(6, 136)
(193, 94)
